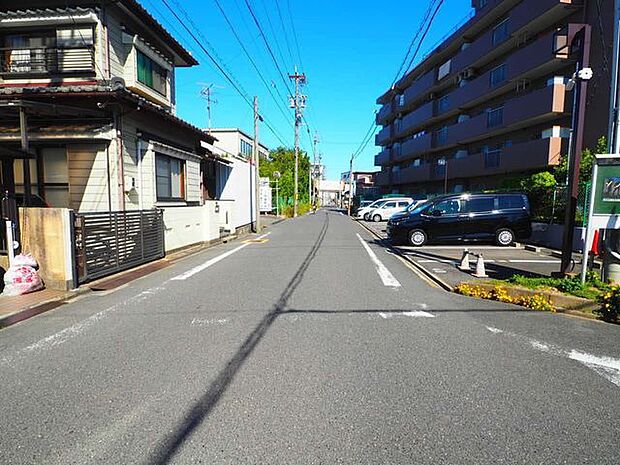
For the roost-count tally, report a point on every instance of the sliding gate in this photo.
(109, 242)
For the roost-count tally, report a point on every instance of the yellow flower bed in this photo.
(535, 302)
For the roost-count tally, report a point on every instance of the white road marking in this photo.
(534, 261)
(213, 261)
(419, 313)
(385, 315)
(207, 322)
(387, 278)
(439, 270)
(77, 329)
(607, 367)
(494, 330)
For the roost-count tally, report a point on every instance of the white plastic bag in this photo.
(25, 260)
(20, 280)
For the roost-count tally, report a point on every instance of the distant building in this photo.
(330, 193)
(363, 183)
(237, 142)
(490, 102)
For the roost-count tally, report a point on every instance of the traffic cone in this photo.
(464, 266)
(481, 272)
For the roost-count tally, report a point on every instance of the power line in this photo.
(413, 40)
(288, 45)
(254, 65)
(273, 33)
(241, 92)
(290, 15)
(428, 27)
(365, 140)
(262, 33)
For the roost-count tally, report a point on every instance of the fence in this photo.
(110, 242)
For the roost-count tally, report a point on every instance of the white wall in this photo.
(238, 187)
(185, 226)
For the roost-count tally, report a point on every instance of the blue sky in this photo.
(350, 52)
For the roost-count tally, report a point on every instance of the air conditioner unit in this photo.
(469, 73)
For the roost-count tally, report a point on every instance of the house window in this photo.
(495, 117)
(498, 75)
(245, 149)
(500, 32)
(492, 156)
(482, 4)
(170, 177)
(152, 75)
(443, 103)
(401, 100)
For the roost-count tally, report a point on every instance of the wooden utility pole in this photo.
(256, 157)
(298, 102)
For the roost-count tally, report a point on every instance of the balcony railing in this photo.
(383, 158)
(47, 60)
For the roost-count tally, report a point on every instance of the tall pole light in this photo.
(580, 41)
(350, 185)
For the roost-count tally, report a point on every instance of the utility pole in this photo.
(298, 102)
(207, 93)
(315, 141)
(350, 185)
(256, 157)
(580, 79)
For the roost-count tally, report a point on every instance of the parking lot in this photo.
(500, 262)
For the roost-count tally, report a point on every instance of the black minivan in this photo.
(502, 218)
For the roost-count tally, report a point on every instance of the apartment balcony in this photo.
(384, 113)
(529, 109)
(383, 158)
(418, 88)
(382, 178)
(530, 16)
(414, 120)
(412, 174)
(537, 59)
(414, 147)
(536, 154)
(383, 137)
(46, 61)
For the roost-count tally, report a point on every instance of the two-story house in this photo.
(87, 93)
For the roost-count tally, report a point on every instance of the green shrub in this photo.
(610, 304)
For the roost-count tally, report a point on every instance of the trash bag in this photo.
(20, 280)
(25, 260)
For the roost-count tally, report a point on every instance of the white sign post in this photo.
(265, 200)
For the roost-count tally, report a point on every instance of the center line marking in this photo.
(388, 278)
(213, 261)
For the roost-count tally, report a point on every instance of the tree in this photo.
(587, 161)
(282, 160)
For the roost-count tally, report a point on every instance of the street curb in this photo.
(430, 276)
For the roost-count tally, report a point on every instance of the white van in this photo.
(365, 212)
(388, 208)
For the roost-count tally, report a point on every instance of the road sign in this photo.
(265, 201)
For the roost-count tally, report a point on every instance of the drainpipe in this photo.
(139, 158)
(118, 128)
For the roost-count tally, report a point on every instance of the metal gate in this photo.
(109, 242)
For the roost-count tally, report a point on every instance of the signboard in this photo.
(265, 201)
(607, 193)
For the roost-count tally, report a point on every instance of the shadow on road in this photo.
(205, 405)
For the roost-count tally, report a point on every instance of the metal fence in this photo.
(110, 242)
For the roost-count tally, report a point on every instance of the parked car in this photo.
(502, 218)
(365, 212)
(362, 204)
(388, 208)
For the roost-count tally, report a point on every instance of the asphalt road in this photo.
(313, 346)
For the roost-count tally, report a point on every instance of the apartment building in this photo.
(490, 102)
